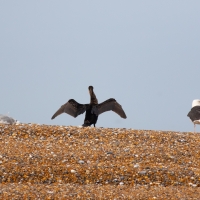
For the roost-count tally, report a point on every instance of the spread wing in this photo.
(111, 104)
(194, 113)
(72, 108)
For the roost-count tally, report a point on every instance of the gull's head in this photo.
(195, 102)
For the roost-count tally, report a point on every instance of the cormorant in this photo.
(93, 110)
(194, 113)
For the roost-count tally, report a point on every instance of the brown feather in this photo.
(72, 108)
(93, 99)
(111, 104)
(93, 110)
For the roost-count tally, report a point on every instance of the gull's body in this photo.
(6, 120)
(194, 113)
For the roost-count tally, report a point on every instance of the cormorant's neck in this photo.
(93, 99)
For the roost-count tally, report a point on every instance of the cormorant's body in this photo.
(93, 110)
(90, 118)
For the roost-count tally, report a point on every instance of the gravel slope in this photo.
(62, 162)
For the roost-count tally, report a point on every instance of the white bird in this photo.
(6, 120)
(194, 113)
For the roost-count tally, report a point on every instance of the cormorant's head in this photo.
(90, 88)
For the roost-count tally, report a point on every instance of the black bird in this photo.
(194, 113)
(93, 110)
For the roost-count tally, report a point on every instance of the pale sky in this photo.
(145, 54)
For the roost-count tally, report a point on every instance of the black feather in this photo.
(111, 104)
(72, 108)
(93, 110)
(194, 113)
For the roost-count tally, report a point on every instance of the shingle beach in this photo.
(67, 162)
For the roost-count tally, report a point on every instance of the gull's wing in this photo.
(111, 104)
(72, 108)
(194, 113)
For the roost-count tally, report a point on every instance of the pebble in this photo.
(193, 185)
(81, 162)
(136, 165)
(142, 172)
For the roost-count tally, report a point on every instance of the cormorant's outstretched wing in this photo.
(194, 113)
(111, 104)
(72, 108)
